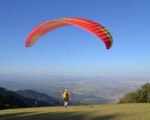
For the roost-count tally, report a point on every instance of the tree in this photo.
(141, 95)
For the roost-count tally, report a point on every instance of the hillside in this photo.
(25, 98)
(89, 112)
(141, 95)
(39, 97)
(9, 99)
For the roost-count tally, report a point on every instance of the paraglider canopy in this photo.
(91, 26)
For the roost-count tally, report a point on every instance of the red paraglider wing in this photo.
(88, 25)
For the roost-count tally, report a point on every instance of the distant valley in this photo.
(83, 90)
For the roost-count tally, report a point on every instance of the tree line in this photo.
(141, 95)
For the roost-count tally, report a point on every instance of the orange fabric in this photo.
(66, 96)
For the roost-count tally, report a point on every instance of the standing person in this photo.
(65, 97)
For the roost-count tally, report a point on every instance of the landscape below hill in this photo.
(83, 90)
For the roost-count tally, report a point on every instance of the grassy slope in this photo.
(91, 112)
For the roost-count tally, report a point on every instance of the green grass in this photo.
(87, 112)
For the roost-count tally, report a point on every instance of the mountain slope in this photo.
(25, 98)
(9, 99)
(39, 97)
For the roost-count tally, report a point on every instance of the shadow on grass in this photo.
(13, 115)
(55, 116)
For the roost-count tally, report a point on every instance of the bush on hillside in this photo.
(141, 95)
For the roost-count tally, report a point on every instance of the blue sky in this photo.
(72, 51)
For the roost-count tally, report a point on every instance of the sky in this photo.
(71, 51)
